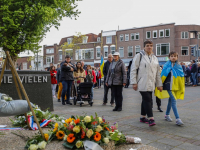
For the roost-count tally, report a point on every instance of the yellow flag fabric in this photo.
(101, 66)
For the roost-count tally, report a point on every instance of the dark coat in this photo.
(58, 76)
(194, 68)
(167, 82)
(105, 69)
(119, 76)
(187, 72)
(66, 73)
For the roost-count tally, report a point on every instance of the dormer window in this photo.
(85, 38)
(99, 39)
(69, 40)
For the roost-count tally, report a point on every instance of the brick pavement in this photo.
(165, 135)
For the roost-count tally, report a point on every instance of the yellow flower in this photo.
(55, 129)
(76, 129)
(100, 120)
(89, 133)
(60, 135)
(56, 125)
(79, 144)
(87, 119)
(69, 120)
(46, 136)
(99, 128)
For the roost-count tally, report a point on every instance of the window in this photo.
(69, 40)
(112, 49)
(155, 34)
(108, 39)
(121, 51)
(137, 49)
(192, 35)
(24, 66)
(99, 39)
(126, 37)
(130, 51)
(184, 50)
(98, 52)
(50, 50)
(167, 32)
(105, 48)
(132, 36)
(69, 52)
(199, 35)
(161, 33)
(137, 36)
(88, 53)
(162, 49)
(148, 34)
(184, 35)
(60, 55)
(49, 59)
(85, 38)
(121, 37)
(78, 55)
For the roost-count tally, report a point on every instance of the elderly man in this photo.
(83, 65)
(106, 88)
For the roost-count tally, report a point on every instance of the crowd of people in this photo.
(144, 73)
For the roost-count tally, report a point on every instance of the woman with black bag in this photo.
(116, 78)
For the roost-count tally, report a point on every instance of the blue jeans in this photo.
(172, 104)
(194, 78)
(67, 84)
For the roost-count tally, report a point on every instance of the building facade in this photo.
(128, 42)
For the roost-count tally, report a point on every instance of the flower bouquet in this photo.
(75, 131)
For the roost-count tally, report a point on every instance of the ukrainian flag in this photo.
(178, 81)
(101, 66)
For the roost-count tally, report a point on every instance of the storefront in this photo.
(162, 60)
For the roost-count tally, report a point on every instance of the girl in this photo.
(53, 73)
(80, 72)
(173, 85)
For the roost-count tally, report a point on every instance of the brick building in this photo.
(128, 42)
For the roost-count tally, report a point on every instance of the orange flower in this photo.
(82, 136)
(69, 120)
(77, 121)
(97, 136)
(107, 128)
(70, 138)
(60, 135)
(46, 136)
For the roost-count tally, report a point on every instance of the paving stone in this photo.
(169, 141)
(161, 145)
(188, 146)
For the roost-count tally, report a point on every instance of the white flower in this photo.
(106, 140)
(42, 145)
(99, 128)
(65, 137)
(33, 147)
(100, 120)
(87, 119)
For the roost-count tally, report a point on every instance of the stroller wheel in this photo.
(74, 100)
(81, 105)
(91, 103)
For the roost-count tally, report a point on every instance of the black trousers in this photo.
(146, 106)
(158, 101)
(117, 90)
(105, 99)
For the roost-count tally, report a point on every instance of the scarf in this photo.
(178, 81)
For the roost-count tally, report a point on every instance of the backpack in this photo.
(139, 63)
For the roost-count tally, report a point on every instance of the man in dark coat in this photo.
(67, 78)
(194, 71)
(106, 88)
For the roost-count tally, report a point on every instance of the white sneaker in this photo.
(54, 96)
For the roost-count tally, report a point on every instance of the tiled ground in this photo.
(165, 135)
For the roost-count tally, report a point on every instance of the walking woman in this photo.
(53, 73)
(116, 78)
(145, 74)
(79, 74)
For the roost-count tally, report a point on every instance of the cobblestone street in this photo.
(165, 135)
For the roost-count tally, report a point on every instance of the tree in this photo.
(23, 23)
(73, 44)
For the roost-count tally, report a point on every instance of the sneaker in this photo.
(179, 122)
(54, 96)
(144, 120)
(168, 118)
(152, 122)
(58, 100)
(104, 104)
(69, 103)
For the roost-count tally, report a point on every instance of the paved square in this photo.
(165, 135)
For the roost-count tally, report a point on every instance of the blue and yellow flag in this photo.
(178, 81)
(101, 66)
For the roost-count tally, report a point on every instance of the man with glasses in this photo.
(106, 88)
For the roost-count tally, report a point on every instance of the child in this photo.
(89, 76)
(173, 86)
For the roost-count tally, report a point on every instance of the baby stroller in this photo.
(83, 93)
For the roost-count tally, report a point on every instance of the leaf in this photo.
(68, 145)
(114, 137)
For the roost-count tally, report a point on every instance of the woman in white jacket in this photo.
(144, 76)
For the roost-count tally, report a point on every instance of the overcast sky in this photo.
(97, 15)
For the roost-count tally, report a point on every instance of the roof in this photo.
(162, 24)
